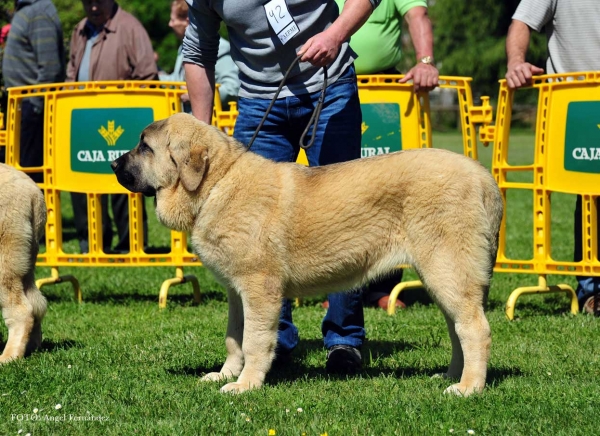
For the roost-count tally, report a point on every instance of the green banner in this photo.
(582, 137)
(99, 136)
(380, 128)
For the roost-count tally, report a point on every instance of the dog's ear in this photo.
(192, 163)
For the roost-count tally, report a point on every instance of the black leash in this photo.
(314, 117)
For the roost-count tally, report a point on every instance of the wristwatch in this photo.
(426, 60)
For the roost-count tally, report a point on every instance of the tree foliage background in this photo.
(469, 36)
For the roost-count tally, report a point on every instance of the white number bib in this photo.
(280, 20)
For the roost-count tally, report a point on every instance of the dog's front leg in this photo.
(235, 330)
(19, 319)
(262, 306)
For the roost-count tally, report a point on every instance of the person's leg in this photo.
(80, 219)
(120, 209)
(107, 230)
(32, 138)
(338, 139)
(587, 287)
(378, 291)
(273, 143)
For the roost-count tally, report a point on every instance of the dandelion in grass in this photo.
(58, 407)
(471, 431)
(272, 432)
(299, 410)
(35, 410)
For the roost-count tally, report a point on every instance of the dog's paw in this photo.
(215, 377)
(462, 390)
(237, 388)
(8, 359)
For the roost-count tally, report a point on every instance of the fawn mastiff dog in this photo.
(272, 230)
(22, 221)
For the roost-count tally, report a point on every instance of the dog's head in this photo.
(170, 152)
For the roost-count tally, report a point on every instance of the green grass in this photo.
(118, 357)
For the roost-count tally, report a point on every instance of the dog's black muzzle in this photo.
(128, 179)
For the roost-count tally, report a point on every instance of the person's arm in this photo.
(424, 75)
(226, 75)
(141, 55)
(45, 41)
(71, 69)
(200, 83)
(200, 54)
(323, 48)
(519, 72)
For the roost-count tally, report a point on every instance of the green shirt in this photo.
(377, 42)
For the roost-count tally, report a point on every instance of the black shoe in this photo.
(343, 360)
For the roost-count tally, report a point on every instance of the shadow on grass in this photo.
(49, 346)
(110, 297)
(294, 367)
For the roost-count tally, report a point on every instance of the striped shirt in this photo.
(34, 51)
(572, 29)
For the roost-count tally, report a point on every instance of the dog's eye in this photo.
(145, 147)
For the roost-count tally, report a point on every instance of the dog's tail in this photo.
(38, 215)
(494, 208)
(38, 222)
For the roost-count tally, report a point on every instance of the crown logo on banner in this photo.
(363, 128)
(111, 135)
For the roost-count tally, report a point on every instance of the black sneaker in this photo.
(343, 360)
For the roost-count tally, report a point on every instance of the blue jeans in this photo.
(337, 139)
(586, 286)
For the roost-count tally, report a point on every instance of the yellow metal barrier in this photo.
(87, 125)
(101, 120)
(566, 160)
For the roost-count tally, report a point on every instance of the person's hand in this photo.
(320, 50)
(424, 76)
(185, 97)
(519, 74)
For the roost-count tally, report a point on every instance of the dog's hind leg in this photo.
(473, 331)
(262, 306)
(235, 330)
(460, 295)
(38, 305)
(457, 362)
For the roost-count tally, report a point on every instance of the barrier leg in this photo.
(414, 284)
(541, 288)
(179, 279)
(55, 278)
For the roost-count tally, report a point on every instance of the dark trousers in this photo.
(381, 287)
(32, 138)
(587, 286)
(120, 209)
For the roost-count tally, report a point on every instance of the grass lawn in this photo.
(117, 365)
